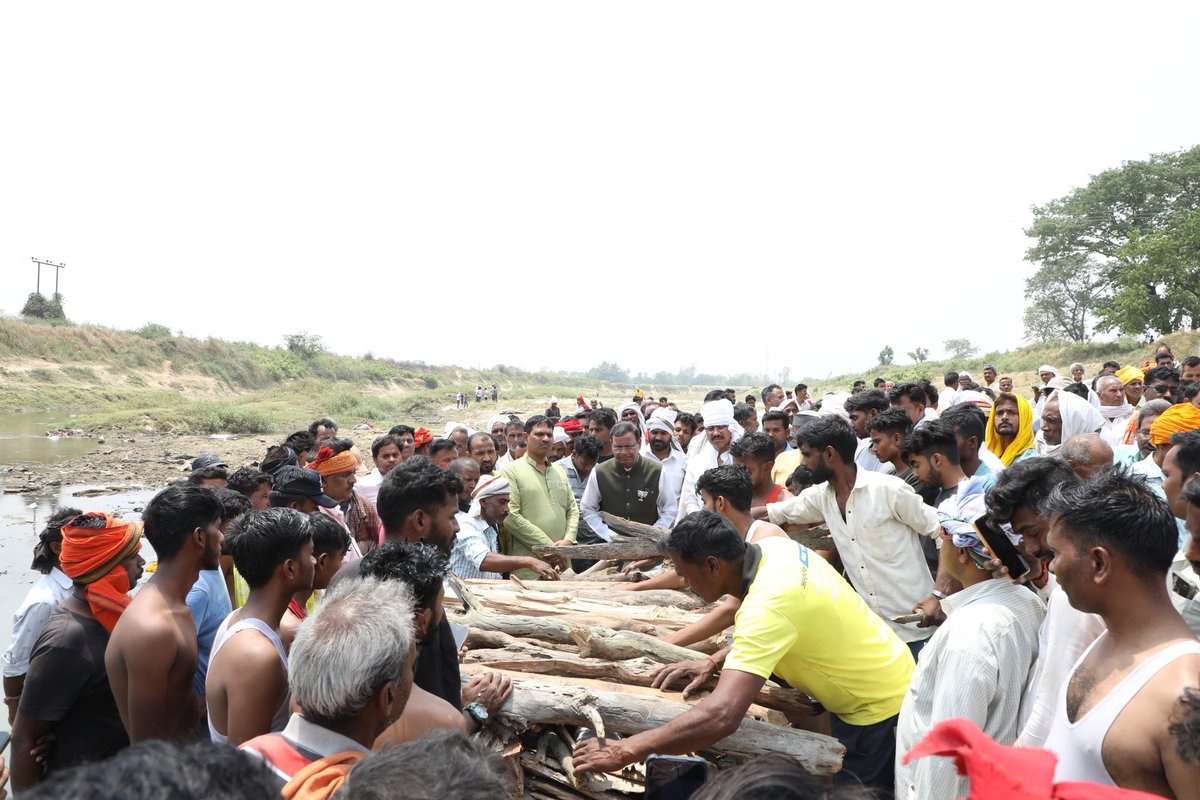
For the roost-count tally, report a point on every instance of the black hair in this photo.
(716, 394)
(950, 378)
(478, 434)
(338, 445)
(1191, 361)
(1114, 365)
(687, 419)
(513, 422)
(1160, 374)
(317, 423)
(402, 430)
(439, 445)
(894, 420)
(415, 484)
(420, 566)
(968, 418)
(913, 391)
(233, 503)
(604, 417)
(777, 416)
(247, 480)
(1119, 511)
(443, 763)
(731, 481)
(536, 420)
(383, 441)
(751, 399)
(587, 447)
(1186, 446)
(866, 400)
(158, 769)
(277, 456)
(625, 428)
(263, 539)
(756, 445)
(800, 479)
(702, 534)
(174, 513)
(44, 558)
(832, 432)
(778, 777)
(743, 412)
(1077, 389)
(934, 437)
(301, 440)
(1028, 483)
(800, 387)
(199, 476)
(768, 389)
(931, 392)
(328, 535)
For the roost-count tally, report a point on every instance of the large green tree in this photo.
(1101, 227)
(1061, 296)
(1159, 290)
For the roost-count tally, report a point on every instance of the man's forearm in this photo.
(25, 771)
(497, 562)
(13, 686)
(697, 729)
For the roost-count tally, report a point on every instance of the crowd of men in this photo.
(296, 608)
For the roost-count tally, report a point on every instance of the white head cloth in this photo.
(501, 418)
(560, 435)
(1047, 368)
(489, 488)
(1078, 416)
(718, 412)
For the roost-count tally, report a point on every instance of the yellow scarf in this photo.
(1024, 438)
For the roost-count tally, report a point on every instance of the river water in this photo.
(23, 441)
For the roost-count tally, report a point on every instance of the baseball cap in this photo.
(302, 482)
(206, 460)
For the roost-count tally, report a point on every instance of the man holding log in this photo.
(799, 620)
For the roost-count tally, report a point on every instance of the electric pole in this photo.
(40, 264)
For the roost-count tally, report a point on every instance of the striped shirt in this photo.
(475, 540)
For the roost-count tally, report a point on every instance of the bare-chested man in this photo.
(756, 453)
(247, 689)
(152, 655)
(1113, 541)
(331, 542)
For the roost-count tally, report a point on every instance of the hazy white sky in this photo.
(738, 186)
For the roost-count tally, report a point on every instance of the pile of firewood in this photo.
(582, 655)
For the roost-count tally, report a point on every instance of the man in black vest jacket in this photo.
(630, 485)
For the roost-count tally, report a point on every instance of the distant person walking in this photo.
(478, 394)
(495, 394)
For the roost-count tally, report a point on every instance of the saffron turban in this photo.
(1130, 374)
(92, 556)
(1024, 437)
(997, 772)
(571, 425)
(1176, 419)
(422, 437)
(492, 487)
(327, 463)
(717, 412)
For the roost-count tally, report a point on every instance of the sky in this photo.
(739, 187)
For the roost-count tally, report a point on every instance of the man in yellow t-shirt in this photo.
(799, 620)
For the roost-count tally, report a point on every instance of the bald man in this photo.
(1087, 454)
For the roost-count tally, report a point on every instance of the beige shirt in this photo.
(877, 541)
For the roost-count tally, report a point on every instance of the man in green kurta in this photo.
(541, 508)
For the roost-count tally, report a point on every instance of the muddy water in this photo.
(23, 439)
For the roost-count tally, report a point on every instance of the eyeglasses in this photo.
(624, 448)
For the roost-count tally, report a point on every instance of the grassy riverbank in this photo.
(152, 381)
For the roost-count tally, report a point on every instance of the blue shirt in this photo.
(209, 601)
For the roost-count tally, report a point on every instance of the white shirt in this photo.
(1065, 633)
(675, 465)
(974, 667)
(42, 598)
(946, 397)
(502, 462)
(367, 487)
(589, 506)
(1113, 430)
(703, 460)
(877, 541)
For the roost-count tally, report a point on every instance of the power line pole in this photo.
(40, 264)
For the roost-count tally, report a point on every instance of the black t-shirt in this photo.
(436, 670)
(68, 686)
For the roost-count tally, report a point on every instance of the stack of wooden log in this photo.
(582, 655)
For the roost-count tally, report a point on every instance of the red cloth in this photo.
(422, 437)
(93, 556)
(297, 609)
(571, 425)
(776, 490)
(997, 772)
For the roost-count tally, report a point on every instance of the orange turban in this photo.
(422, 437)
(327, 463)
(92, 555)
(1176, 419)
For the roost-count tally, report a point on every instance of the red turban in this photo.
(997, 772)
(422, 437)
(92, 556)
(571, 425)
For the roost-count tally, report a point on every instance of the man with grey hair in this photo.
(1150, 465)
(1114, 408)
(1087, 454)
(350, 672)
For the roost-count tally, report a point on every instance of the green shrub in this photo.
(152, 330)
(430, 380)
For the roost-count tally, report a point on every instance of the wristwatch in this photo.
(477, 712)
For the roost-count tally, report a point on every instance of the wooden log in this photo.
(596, 642)
(813, 538)
(627, 527)
(537, 701)
(628, 549)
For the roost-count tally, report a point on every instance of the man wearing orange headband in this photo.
(66, 689)
(337, 481)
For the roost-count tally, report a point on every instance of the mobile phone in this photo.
(996, 542)
(460, 634)
(675, 777)
(5, 736)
